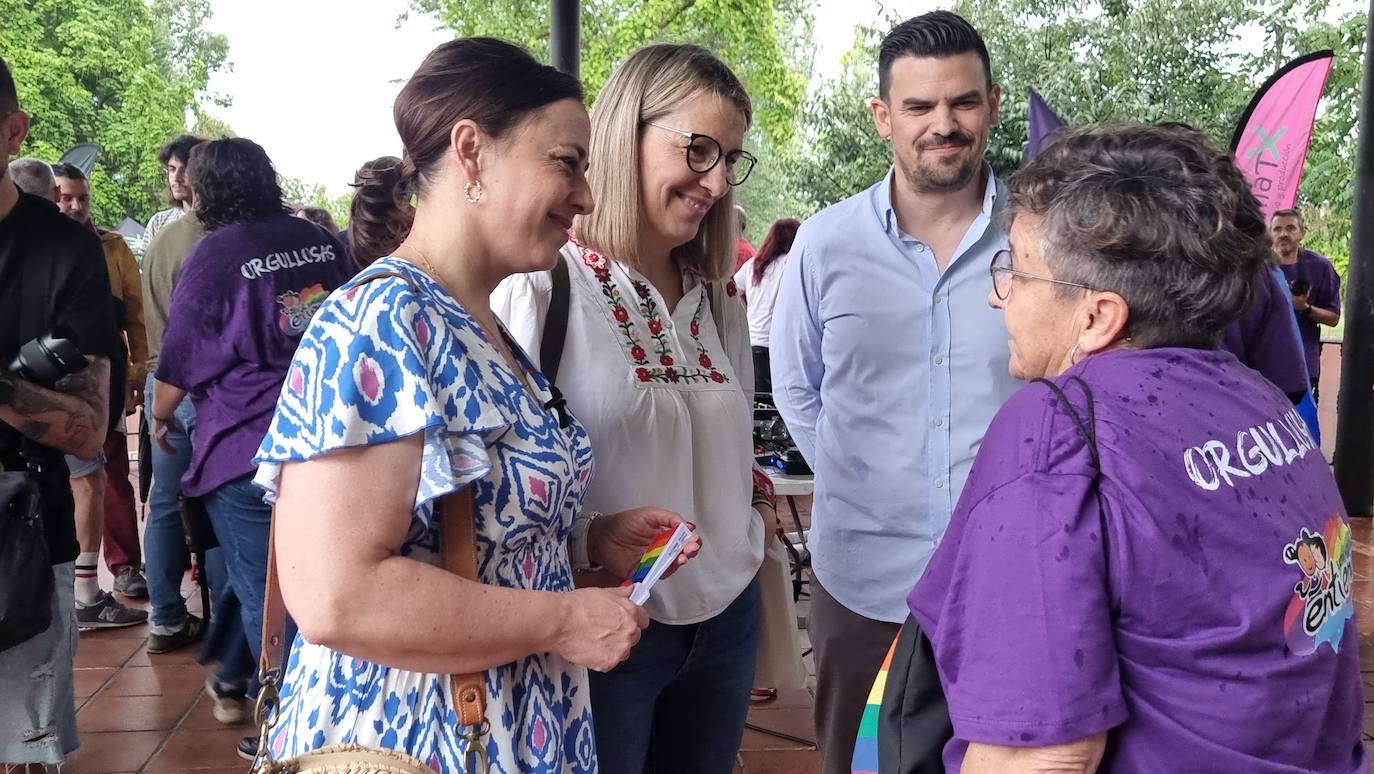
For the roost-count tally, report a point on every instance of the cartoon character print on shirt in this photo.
(1321, 602)
(297, 307)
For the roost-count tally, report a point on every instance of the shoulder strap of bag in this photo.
(555, 333)
(454, 514)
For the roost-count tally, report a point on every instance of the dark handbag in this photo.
(26, 579)
(200, 533)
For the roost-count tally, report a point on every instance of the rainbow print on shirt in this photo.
(296, 308)
(865, 759)
(1321, 602)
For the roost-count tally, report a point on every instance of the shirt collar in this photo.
(882, 193)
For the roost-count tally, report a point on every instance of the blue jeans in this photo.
(243, 526)
(679, 702)
(164, 551)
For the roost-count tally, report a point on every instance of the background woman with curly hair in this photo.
(244, 296)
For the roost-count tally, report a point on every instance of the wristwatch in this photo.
(6, 388)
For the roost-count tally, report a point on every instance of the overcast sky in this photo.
(313, 84)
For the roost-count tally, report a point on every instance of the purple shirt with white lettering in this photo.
(1318, 270)
(241, 302)
(1193, 599)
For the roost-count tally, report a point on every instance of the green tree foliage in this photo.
(297, 191)
(762, 40)
(121, 73)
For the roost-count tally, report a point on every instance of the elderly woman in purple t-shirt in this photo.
(1150, 567)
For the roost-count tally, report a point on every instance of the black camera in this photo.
(48, 358)
(1299, 286)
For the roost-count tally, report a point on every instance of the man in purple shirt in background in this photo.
(1315, 285)
(241, 302)
(1150, 568)
(1266, 337)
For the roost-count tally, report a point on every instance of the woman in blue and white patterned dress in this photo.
(406, 389)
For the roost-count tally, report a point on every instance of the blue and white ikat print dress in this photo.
(385, 359)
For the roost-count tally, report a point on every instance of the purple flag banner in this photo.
(1043, 120)
(1270, 144)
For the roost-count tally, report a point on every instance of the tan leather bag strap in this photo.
(454, 514)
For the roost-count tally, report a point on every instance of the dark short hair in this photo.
(494, 83)
(317, 215)
(1289, 212)
(9, 96)
(178, 148)
(234, 182)
(1156, 214)
(63, 169)
(934, 34)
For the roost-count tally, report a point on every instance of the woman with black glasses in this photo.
(656, 364)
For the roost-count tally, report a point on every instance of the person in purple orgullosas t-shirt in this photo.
(242, 300)
(1150, 567)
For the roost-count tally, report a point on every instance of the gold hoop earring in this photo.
(468, 194)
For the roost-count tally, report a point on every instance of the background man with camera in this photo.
(52, 272)
(1315, 284)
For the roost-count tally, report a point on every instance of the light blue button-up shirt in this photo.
(887, 373)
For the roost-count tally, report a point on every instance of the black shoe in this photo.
(248, 748)
(189, 634)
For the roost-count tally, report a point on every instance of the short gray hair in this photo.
(34, 176)
(1156, 214)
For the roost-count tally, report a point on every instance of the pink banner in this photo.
(1270, 144)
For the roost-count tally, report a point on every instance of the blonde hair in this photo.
(650, 84)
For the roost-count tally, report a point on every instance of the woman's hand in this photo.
(616, 541)
(599, 628)
(159, 430)
(769, 514)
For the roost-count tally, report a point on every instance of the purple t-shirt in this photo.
(1195, 602)
(1318, 270)
(1266, 336)
(244, 297)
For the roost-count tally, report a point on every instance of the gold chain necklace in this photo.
(497, 341)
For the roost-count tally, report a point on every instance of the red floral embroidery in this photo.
(731, 289)
(667, 369)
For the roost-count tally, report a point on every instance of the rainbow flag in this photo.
(646, 562)
(866, 745)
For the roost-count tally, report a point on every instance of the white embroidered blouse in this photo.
(669, 411)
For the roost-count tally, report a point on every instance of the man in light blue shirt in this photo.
(888, 362)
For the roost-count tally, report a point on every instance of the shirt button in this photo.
(939, 421)
(937, 299)
(939, 483)
(939, 360)
(920, 248)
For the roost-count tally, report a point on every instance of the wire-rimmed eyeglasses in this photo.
(1002, 272)
(704, 152)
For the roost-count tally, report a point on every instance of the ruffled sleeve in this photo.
(383, 360)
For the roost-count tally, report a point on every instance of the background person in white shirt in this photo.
(758, 279)
(656, 366)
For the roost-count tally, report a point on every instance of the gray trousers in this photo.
(849, 650)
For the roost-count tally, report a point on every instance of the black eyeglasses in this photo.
(1002, 272)
(704, 152)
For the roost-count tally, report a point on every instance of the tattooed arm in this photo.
(71, 418)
